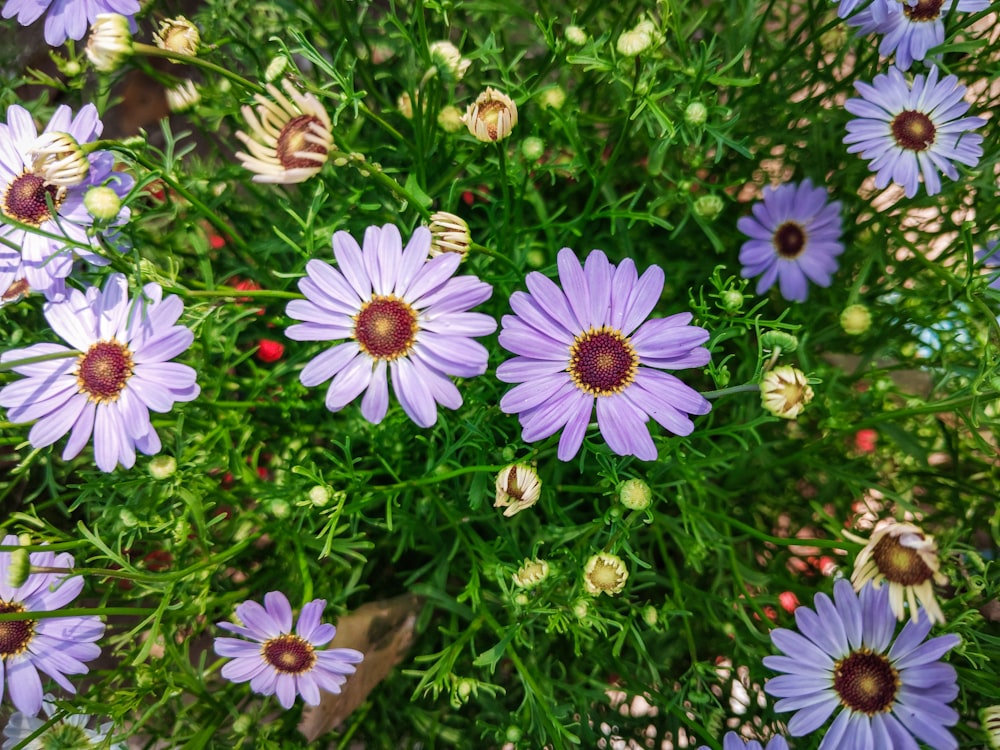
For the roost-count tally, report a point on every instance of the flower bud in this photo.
(731, 301)
(178, 35)
(18, 568)
(531, 573)
(517, 487)
(162, 467)
(102, 203)
(110, 42)
(449, 60)
(635, 494)
(128, 519)
(532, 148)
(990, 717)
(772, 340)
(575, 35)
(492, 116)
(270, 351)
(650, 616)
(604, 573)
(513, 734)
(552, 98)
(696, 114)
(183, 97)
(58, 159)
(449, 234)
(275, 68)
(709, 207)
(784, 392)
(319, 495)
(450, 119)
(638, 40)
(405, 105)
(855, 319)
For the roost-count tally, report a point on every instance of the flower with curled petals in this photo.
(589, 342)
(114, 372)
(886, 689)
(733, 741)
(398, 314)
(56, 646)
(276, 661)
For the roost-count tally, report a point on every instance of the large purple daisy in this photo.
(887, 690)
(276, 661)
(590, 342)
(908, 131)
(67, 19)
(794, 239)
(114, 373)
(24, 196)
(733, 741)
(400, 314)
(57, 646)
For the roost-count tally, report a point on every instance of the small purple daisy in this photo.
(24, 196)
(794, 239)
(988, 259)
(67, 19)
(909, 131)
(276, 661)
(57, 646)
(401, 314)
(890, 690)
(592, 343)
(733, 741)
(116, 372)
(910, 29)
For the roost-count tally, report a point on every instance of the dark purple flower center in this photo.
(104, 370)
(866, 682)
(602, 362)
(293, 139)
(790, 240)
(900, 564)
(15, 635)
(386, 327)
(25, 199)
(913, 130)
(924, 10)
(289, 653)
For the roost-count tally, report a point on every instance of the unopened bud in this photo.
(449, 234)
(696, 114)
(709, 207)
(731, 301)
(110, 42)
(575, 35)
(772, 340)
(531, 573)
(450, 119)
(162, 467)
(58, 159)
(178, 35)
(449, 60)
(319, 495)
(552, 98)
(102, 203)
(492, 116)
(533, 148)
(784, 392)
(18, 568)
(635, 494)
(855, 319)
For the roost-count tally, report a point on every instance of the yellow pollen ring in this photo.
(602, 361)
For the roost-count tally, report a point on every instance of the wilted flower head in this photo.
(290, 136)
(449, 234)
(492, 116)
(518, 487)
(178, 35)
(784, 392)
(183, 97)
(531, 573)
(604, 573)
(110, 42)
(902, 555)
(449, 60)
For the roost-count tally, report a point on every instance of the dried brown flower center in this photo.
(602, 362)
(790, 240)
(386, 327)
(489, 113)
(513, 489)
(15, 635)
(913, 130)
(25, 199)
(924, 10)
(900, 564)
(14, 292)
(866, 682)
(289, 653)
(294, 139)
(104, 370)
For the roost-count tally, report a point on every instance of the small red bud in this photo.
(270, 351)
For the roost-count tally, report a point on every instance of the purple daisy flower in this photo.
(910, 29)
(592, 342)
(401, 314)
(276, 661)
(57, 646)
(112, 375)
(891, 690)
(794, 239)
(733, 741)
(909, 131)
(67, 19)
(24, 196)
(989, 260)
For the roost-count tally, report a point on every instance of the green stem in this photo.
(748, 388)
(73, 612)
(6, 366)
(199, 62)
(435, 478)
(229, 292)
(476, 248)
